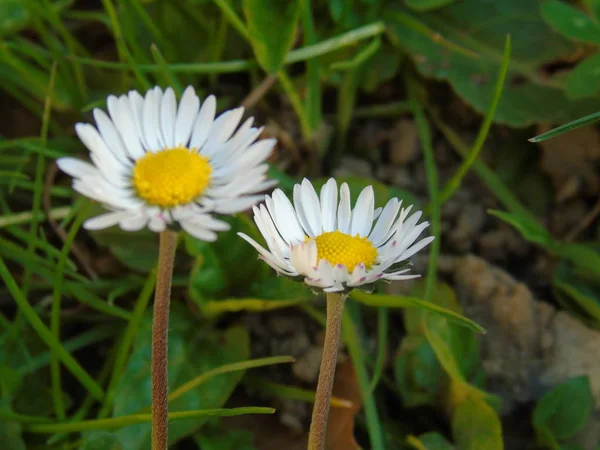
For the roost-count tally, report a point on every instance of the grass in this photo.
(72, 333)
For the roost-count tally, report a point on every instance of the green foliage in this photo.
(583, 81)
(563, 411)
(10, 435)
(430, 441)
(570, 21)
(467, 49)
(225, 440)
(426, 5)
(475, 426)
(271, 26)
(192, 351)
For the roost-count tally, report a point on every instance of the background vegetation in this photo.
(401, 94)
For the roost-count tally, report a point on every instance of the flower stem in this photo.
(160, 328)
(318, 425)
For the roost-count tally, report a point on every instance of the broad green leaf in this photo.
(476, 426)
(13, 15)
(101, 440)
(272, 27)
(530, 230)
(528, 97)
(192, 352)
(10, 435)
(570, 21)
(438, 335)
(419, 377)
(400, 301)
(564, 410)
(225, 439)
(584, 80)
(207, 277)
(430, 441)
(426, 5)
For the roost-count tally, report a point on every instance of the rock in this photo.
(404, 142)
(468, 224)
(496, 244)
(306, 368)
(353, 166)
(530, 346)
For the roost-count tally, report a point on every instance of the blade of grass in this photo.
(78, 342)
(313, 87)
(382, 334)
(36, 206)
(302, 54)
(52, 253)
(487, 176)
(454, 183)
(360, 58)
(297, 104)
(227, 368)
(233, 18)
(290, 392)
(126, 342)
(28, 216)
(218, 46)
(587, 120)
(46, 335)
(57, 397)
(434, 197)
(122, 50)
(120, 422)
(165, 73)
(351, 337)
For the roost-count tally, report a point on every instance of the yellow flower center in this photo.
(340, 248)
(171, 177)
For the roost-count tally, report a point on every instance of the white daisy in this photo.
(157, 163)
(334, 247)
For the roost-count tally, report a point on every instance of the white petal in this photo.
(204, 122)
(383, 225)
(106, 220)
(362, 216)
(136, 103)
(157, 224)
(186, 116)
(344, 211)
(151, 117)
(285, 218)
(109, 133)
(329, 196)
(76, 168)
(238, 204)
(198, 231)
(222, 130)
(125, 123)
(168, 111)
(134, 223)
(415, 248)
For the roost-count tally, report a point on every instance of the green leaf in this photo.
(137, 250)
(226, 439)
(528, 97)
(585, 256)
(439, 335)
(272, 27)
(430, 441)
(564, 410)
(426, 5)
(418, 374)
(570, 21)
(400, 301)
(10, 435)
(101, 440)
(529, 229)
(584, 80)
(13, 15)
(192, 351)
(476, 426)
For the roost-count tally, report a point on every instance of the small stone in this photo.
(353, 166)
(404, 142)
(306, 368)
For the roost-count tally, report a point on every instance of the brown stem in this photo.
(160, 329)
(318, 425)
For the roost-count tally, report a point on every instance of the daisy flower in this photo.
(158, 163)
(333, 247)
